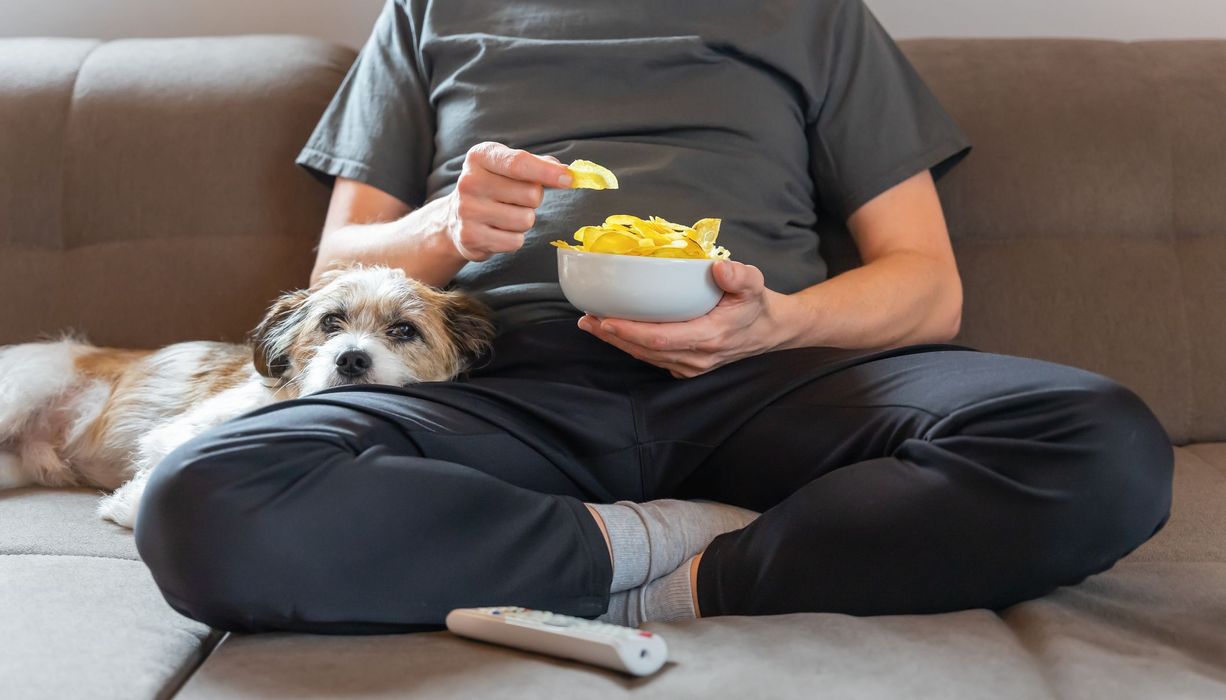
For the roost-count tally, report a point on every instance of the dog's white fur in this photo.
(72, 414)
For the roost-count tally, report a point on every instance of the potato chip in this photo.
(622, 234)
(588, 175)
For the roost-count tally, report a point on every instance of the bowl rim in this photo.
(647, 260)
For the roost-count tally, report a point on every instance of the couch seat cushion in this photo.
(60, 521)
(80, 615)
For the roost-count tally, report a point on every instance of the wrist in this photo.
(788, 319)
(433, 226)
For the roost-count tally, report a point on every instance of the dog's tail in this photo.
(32, 375)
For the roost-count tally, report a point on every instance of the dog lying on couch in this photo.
(72, 414)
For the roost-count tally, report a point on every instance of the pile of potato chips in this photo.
(622, 234)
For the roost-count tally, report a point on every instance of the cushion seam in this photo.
(65, 144)
(1186, 450)
(192, 663)
(1188, 399)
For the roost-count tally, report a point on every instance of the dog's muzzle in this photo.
(353, 363)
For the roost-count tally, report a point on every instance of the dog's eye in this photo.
(330, 323)
(402, 331)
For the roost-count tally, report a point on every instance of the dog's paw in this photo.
(159, 442)
(11, 474)
(121, 507)
(118, 510)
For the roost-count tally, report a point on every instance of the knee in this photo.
(1125, 468)
(1131, 445)
(198, 529)
(193, 486)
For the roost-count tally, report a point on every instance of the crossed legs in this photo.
(911, 483)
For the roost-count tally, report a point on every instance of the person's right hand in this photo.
(494, 202)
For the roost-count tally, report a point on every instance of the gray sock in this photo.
(649, 540)
(665, 599)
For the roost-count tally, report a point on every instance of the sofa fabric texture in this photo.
(1089, 222)
(81, 616)
(148, 195)
(148, 192)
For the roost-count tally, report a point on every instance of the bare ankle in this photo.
(694, 581)
(603, 531)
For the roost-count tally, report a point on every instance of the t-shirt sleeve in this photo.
(878, 124)
(379, 127)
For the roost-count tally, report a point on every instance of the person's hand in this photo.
(495, 199)
(746, 322)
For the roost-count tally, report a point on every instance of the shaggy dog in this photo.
(72, 414)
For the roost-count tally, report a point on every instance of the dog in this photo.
(72, 414)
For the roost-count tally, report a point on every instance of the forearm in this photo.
(416, 243)
(899, 299)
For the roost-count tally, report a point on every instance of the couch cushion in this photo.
(60, 521)
(1154, 626)
(36, 80)
(82, 626)
(148, 191)
(1196, 531)
(80, 615)
(1088, 222)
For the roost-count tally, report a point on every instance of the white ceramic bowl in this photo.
(637, 288)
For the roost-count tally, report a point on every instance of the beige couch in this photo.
(147, 195)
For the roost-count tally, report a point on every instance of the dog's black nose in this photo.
(352, 363)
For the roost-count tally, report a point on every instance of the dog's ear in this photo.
(268, 353)
(470, 325)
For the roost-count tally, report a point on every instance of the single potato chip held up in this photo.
(622, 234)
(588, 175)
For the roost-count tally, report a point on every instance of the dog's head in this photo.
(369, 325)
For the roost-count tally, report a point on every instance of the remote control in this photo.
(637, 652)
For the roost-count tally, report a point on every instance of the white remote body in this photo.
(637, 652)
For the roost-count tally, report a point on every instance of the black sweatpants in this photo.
(918, 480)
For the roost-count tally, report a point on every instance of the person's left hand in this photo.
(743, 324)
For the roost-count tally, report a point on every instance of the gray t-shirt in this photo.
(763, 113)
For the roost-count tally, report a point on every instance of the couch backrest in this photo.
(147, 195)
(147, 187)
(1090, 220)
